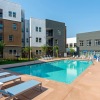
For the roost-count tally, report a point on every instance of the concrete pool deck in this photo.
(85, 87)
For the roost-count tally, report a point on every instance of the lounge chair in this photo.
(10, 78)
(20, 88)
(4, 74)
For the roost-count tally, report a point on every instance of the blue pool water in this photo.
(62, 71)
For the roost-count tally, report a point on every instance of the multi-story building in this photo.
(10, 28)
(71, 43)
(56, 35)
(37, 35)
(27, 33)
(45, 32)
(89, 42)
(17, 33)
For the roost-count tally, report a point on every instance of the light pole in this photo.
(29, 47)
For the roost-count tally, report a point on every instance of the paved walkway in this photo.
(85, 87)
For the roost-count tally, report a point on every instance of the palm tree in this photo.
(72, 51)
(44, 48)
(26, 51)
(2, 45)
(56, 49)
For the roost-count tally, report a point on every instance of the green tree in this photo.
(2, 45)
(26, 51)
(72, 51)
(44, 48)
(56, 49)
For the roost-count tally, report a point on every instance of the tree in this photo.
(56, 49)
(26, 51)
(44, 48)
(2, 45)
(72, 51)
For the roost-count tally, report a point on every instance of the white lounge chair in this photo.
(4, 74)
(20, 88)
(10, 78)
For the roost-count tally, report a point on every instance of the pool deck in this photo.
(85, 87)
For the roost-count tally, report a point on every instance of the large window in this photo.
(36, 29)
(1, 25)
(40, 39)
(71, 45)
(14, 26)
(10, 13)
(56, 41)
(1, 38)
(37, 52)
(14, 52)
(39, 29)
(1, 13)
(88, 42)
(10, 51)
(74, 44)
(81, 43)
(14, 14)
(27, 40)
(97, 42)
(36, 39)
(11, 37)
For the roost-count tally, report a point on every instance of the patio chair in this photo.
(4, 74)
(10, 78)
(20, 88)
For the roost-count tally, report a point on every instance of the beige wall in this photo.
(6, 54)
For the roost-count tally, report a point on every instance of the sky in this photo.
(79, 15)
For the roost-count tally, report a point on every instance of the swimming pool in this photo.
(62, 71)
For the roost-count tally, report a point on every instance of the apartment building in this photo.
(56, 35)
(26, 38)
(18, 32)
(45, 32)
(37, 35)
(10, 28)
(71, 43)
(89, 42)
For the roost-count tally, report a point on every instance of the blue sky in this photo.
(78, 15)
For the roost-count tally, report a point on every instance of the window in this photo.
(37, 52)
(22, 40)
(10, 37)
(59, 32)
(74, 44)
(56, 41)
(71, 45)
(81, 43)
(36, 29)
(97, 42)
(40, 39)
(1, 13)
(27, 40)
(14, 51)
(10, 51)
(88, 42)
(1, 37)
(27, 30)
(39, 29)
(14, 26)
(14, 14)
(36, 39)
(1, 26)
(67, 45)
(10, 13)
